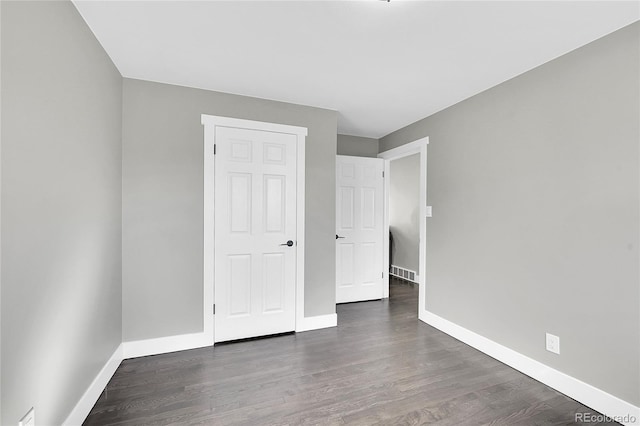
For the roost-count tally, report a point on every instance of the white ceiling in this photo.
(380, 65)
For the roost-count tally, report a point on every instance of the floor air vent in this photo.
(403, 273)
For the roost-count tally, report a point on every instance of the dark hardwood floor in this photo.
(380, 366)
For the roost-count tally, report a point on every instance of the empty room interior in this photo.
(319, 212)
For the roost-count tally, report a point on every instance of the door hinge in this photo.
(214, 309)
(214, 149)
(382, 171)
(382, 274)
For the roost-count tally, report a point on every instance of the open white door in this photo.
(255, 233)
(359, 229)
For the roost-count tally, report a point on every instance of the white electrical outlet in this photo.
(553, 343)
(29, 419)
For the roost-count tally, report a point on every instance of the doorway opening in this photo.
(404, 155)
(404, 212)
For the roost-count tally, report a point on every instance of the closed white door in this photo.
(359, 233)
(255, 233)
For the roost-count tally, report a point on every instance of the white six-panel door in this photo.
(255, 217)
(359, 229)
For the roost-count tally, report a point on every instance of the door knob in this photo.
(288, 243)
(338, 236)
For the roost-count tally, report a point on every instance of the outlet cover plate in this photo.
(553, 343)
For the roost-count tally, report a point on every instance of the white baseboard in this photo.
(317, 322)
(599, 400)
(163, 345)
(182, 342)
(93, 392)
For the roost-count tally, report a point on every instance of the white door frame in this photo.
(416, 147)
(210, 122)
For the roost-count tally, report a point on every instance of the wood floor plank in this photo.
(380, 366)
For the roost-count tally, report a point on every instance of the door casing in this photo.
(416, 147)
(210, 122)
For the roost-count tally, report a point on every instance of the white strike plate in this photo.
(428, 211)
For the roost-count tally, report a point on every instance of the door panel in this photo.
(240, 284)
(274, 202)
(345, 207)
(346, 263)
(359, 221)
(240, 202)
(368, 208)
(255, 214)
(274, 279)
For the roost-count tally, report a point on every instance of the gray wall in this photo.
(163, 202)
(0, 214)
(357, 146)
(535, 190)
(61, 209)
(404, 206)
